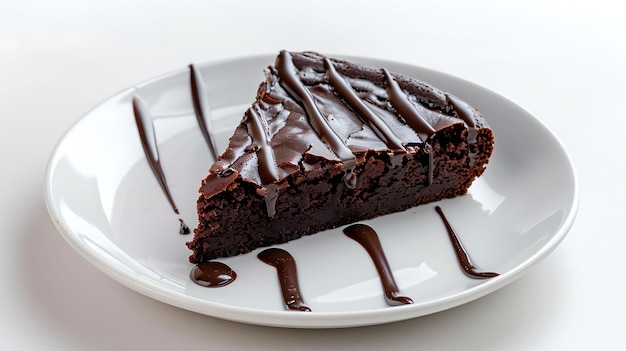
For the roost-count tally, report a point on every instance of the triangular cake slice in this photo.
(329, 142)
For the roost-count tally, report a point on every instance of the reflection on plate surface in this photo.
(106, 202)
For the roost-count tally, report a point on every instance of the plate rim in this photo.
(326, 319)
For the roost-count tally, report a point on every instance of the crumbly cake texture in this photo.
(328, 143)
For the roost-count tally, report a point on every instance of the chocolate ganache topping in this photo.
(313, 109)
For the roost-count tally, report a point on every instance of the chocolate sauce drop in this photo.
(287, 276)
(461, 254)
(212, 274)
(184, 229)
(143, 119)
(367, 237)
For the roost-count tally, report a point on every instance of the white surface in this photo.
(563, 61)
(107, 203)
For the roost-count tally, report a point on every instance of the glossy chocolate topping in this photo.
(257, 127)
(290, 81)
(399, 100)
(367, 237)
(287, 277)
(212, 274)
(461, 254)
(201, 107)
(317, 110)
(350, 97)
(465, 112)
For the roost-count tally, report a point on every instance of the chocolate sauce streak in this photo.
(345, 91)
(367, 237)
(212, 274)
(287, 276)
(464, 260)
(399, 100)
(464, 112)
(431, 162)
(143, 118)
(258, 130)
(292, 84)
(184, 229)
(201, 107)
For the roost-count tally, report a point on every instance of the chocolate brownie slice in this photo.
(329, 142)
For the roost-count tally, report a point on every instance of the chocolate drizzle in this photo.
(431, 162)
(399, 100)
(367, 237)
(287, 276)
(345, 91)
(201, 107)
(183, 229)
(143, 118)
(461, 254)
(267, 167)
(466, 113)
(292, 84)
(212, 274)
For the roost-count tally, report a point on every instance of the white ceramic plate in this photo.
(105, 201)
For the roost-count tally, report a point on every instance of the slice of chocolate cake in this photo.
(329, 142)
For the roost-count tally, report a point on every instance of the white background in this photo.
(563, 61)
